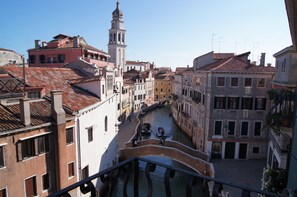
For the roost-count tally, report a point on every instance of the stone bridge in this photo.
(196, 160)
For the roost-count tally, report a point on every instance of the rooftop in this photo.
(62, 79)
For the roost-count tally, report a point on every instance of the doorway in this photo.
(230, 150)
(242, 151)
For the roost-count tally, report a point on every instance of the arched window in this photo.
(105, 123)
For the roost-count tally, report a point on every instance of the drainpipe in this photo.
(205, 102)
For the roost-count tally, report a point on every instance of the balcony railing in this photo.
(131, 167)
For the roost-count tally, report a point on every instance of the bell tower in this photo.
(117, 41)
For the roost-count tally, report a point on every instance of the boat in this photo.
(161, 132)
(146, 129)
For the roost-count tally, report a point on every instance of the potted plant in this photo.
(287, 116)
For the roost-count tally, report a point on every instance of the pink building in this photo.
(65, 49)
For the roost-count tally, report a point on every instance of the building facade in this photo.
(10, 57)
(223, 105)
(136, 65)
(65, 49)
(163, 85)
(37, 146)
(283, 104)
(92, 102)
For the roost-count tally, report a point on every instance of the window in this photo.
(161, 89)
(231, 127)
(220, 81)
(28, 148)
(218, 128)
(248, 82)
(233, 102)
(33, 95)
(260, 103)
(220, 103)
(1, 156)
(3, 192)
(69, 135)
(32, 59)
(85, 172)
(261, 82)
(247, 103)
(90, 134)
(71, 169)
(244, 128)
(119, 37)
(257, 130)
(234, 81)
(45, 181)
(256, 149)
(43, 144)
(33, 146)
(102, 89)
(61, 58)
(42, 59)
(106, 123)
(30, 184)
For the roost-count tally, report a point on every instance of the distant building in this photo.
(65, 49)
(117, 50)
(136, 65)
(222, 104)
(10, 57)
(163, 84)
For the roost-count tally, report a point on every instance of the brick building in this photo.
(65, 49)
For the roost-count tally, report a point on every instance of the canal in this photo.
(160, 117)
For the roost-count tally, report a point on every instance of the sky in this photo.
(170, 33)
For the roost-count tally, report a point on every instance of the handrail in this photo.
(86, 185)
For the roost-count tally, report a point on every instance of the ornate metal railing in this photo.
(131, 167)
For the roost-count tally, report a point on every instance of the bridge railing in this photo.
(172, 144)
(130, 167)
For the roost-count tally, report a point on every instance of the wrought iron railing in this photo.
(131, 167)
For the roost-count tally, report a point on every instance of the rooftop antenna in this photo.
(212, 41)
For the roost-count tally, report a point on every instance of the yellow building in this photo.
(163, 85)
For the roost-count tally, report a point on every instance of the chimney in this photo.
(44, 44)
(25, 111)
(76, 41)
(37, 44)
(262, 60)
(268, 64)
(57, 111)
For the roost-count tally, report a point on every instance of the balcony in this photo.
(282, 138)
(130, 167)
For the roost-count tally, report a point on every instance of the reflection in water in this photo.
(160, 118)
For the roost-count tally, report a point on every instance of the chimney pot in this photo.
(37, 44)
(25, 111)
(57, 110)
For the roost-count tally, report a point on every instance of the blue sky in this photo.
(166, 32)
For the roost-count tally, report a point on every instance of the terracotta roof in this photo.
(57, 79)
(179, 70)
(40, 113)
(84, 80)
(135, 62)
(2, 49)
(219, 56)
(236, 65)
(94, 49)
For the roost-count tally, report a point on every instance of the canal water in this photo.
(160, 117)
